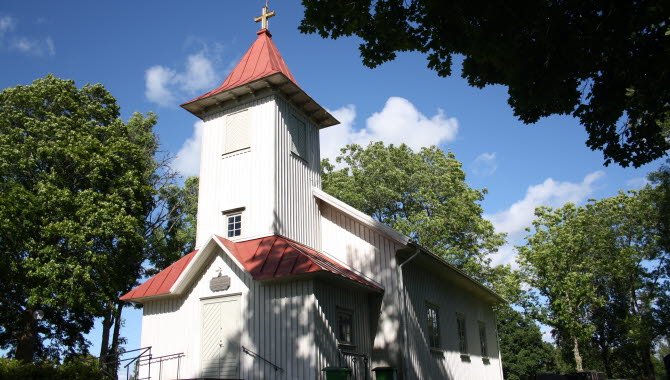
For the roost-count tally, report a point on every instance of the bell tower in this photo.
(260, 150)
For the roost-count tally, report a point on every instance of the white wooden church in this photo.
(288, 280)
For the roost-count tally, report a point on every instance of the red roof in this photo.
(261, 60)
(163, 281)
(268, 257)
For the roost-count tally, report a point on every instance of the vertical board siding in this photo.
(328, 299)
(373, 254)
(421, 286)
(239, 179)
(276, 324)
(296, 212)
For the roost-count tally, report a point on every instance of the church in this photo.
(288, 282)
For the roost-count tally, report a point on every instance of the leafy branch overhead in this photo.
(606, 63)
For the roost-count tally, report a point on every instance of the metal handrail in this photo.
(255, 355)
(160, 359)
(354, 356)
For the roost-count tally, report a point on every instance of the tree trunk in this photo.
(646, 361)
(117, 329)
(104, 344)
(578, 357)
(26, 345)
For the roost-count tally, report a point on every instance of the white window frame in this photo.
(237, 212)
(462, 333)
(433, 326)
(483, 342)
(350, 313)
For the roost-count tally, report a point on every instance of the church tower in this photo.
(260, 150)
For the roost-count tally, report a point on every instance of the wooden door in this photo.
(221, 331)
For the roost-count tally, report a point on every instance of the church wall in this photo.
(329, 299)
(277, 323)
(240, 179)
(373, 254)
(296, 212)
(424, 287)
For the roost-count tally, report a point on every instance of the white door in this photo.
(221, 330)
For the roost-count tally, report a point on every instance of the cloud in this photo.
(637, 183)
(398, 122)
(187, 161)
(485, 164)
(520, 215)
(162, 83)
(11, 40)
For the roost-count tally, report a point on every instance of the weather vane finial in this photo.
(263, 18)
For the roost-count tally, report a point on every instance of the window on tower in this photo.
(238, 134)
(298, 131)
(234, 224)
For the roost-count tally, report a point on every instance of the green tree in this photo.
(593, 60)
(73, 200)
(423, 195)
(523, 351)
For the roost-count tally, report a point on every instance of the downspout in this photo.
(403, 295)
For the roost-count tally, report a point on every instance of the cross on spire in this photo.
(263, 18)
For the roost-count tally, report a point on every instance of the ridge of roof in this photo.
(261, 60)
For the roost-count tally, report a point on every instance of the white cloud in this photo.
(187, 161)
(637, 183)
(163, 83)
(12, 40)
(485, 164)
(520, 215)
(398, 122)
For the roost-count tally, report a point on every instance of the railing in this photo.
(353, 360)
(160, 359)
(255, 355)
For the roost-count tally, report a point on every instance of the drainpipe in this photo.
(401, 289)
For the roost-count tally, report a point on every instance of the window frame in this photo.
(462, 333)
(483, 341)
(433, 332)
(340, 311)
(227, 214)
(297, 130)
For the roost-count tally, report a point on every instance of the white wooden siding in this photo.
(240, 179)
(421, 286)
(296, 212)
(373, 254)
(277, 323)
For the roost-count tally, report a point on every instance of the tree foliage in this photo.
(602, 281)
(74, 195)
(605, 63)
(423, 195)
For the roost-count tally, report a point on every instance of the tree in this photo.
(523, 351)
(600, 274)
(423, 195)
(74, 196)
(603, 62)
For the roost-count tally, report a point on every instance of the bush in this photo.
(74, 369)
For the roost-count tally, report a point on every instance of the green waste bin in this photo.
(385, 373)
(337, 373)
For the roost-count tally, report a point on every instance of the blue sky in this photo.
(154, 55)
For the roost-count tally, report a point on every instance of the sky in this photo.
(155, 55)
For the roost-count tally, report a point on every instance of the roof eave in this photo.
(273, 83)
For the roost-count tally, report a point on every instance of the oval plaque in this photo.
(219, 284)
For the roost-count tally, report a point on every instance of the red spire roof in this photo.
(261, 60)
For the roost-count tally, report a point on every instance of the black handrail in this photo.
(255, 355)
(160, 359)
(354, 356)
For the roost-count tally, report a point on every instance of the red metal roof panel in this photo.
(261, 60)
(162, 282)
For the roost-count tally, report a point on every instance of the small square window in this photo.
(462, 336)
(433, 328)
(234, 224)
(345, 320)
(482, 339)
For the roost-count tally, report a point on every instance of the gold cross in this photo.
(264, 17)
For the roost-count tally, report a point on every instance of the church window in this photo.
(234, 224)
(482, 339)
(433, 327)
(462, 336)
(345, 326)
(298, 131)
(238, 134)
